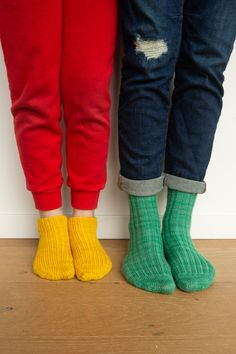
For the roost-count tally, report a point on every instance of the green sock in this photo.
(145, 265)
(191, 271)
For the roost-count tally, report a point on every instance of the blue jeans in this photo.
(190, 40)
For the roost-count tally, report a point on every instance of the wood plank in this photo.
(124, 345)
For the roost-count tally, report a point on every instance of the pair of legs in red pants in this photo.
(60, 52)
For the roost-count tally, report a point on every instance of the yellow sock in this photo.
(53, 259)
(90, 259)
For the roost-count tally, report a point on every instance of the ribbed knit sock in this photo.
(191, 271)
(90, 259)
(145, 266)
(53, 259)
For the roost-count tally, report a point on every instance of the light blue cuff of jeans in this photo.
(141, 187)
(184, 184)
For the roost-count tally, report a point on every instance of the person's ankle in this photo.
(48, 213)
(79, 212)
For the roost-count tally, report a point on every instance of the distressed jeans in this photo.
(163, 140)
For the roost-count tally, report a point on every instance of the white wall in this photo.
(215, 211)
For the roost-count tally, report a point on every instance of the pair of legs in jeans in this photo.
(192, 39)
(61, 51)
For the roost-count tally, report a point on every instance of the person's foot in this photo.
(145, 266)
(90, 259)
(53, 259)
(191, 271)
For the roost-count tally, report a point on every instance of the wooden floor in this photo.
(110, 316)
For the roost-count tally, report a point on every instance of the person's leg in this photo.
(209, 30)
(31, 47)
(152, 31)
(30, 33)
(89, 38)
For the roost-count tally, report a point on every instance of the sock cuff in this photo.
(175, 196)
(52, 225)
(143, 207)
(87, 223)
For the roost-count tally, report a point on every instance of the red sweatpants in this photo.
(60, 51)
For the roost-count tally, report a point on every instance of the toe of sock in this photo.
(155, 286)
(155, 283)
(88, 273)
(192, 282)
(54, 274)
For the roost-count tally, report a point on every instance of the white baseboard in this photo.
(23, 225)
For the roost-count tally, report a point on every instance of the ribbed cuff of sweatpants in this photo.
(48, 200)
(84, 200)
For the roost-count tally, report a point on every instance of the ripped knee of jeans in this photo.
(151, 49)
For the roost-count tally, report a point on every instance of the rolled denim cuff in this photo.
(141, 187)
(184, 184)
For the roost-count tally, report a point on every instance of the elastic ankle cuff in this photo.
(48, 200)
(84, 200)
